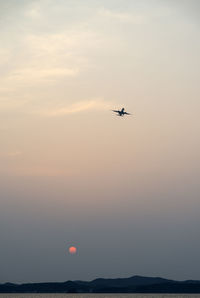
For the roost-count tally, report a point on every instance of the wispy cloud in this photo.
(29, 74)
(10, 154)
(78, 107)
(33, 10)
(39, 60)
(122, 16)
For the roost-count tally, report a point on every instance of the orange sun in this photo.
(72, 250)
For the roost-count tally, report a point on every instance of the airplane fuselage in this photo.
(121, 112)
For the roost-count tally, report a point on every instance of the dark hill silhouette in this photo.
(124, 282)
(134, 284)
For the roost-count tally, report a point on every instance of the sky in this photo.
(123, 190)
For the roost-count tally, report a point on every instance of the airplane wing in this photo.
(115, 111)
(127, 113)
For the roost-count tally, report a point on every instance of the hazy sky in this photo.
(124, 191)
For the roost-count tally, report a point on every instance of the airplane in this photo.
(121, 113)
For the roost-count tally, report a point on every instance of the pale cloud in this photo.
(57, 41)
(82, 106)
(123, 17)
(70, 46)
(5, 55)
(43, 59)
(34, 10)
(10, 154)
(53, 55)
(30, 74)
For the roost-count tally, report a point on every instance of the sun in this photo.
(72, 250)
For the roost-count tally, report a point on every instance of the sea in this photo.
(99, 296)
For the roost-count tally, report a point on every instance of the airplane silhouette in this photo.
(121, 113)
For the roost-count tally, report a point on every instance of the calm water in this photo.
(96, 296)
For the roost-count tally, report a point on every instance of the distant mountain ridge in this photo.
(134, 284)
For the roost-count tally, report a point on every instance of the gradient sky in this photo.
(124, 191)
